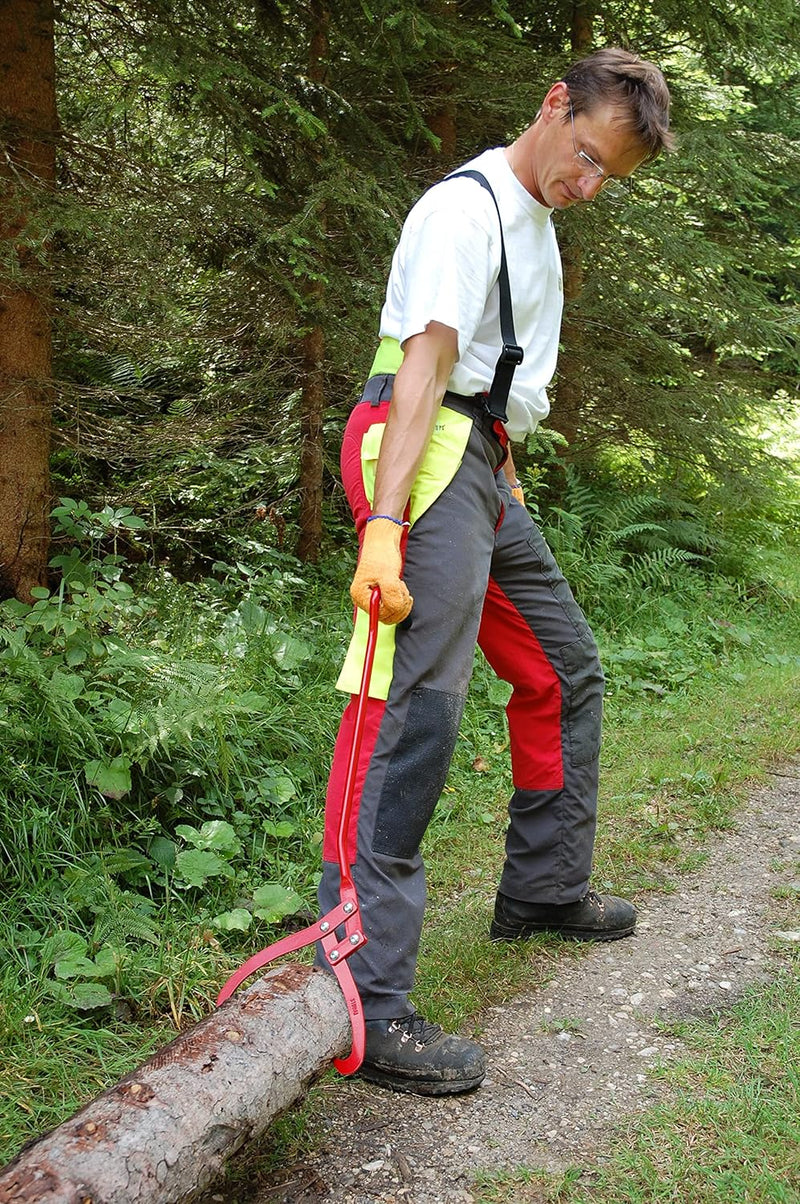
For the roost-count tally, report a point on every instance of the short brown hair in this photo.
(617, 77)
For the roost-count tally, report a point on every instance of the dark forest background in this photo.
(201, 201)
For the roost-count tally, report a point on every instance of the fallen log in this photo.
(166, 1131)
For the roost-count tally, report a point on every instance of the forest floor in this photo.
(570, 1063)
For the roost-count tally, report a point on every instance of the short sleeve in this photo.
(443, 271)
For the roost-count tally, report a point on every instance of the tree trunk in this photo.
(312, 410)
(166, 1131)
(27, 164)
(582, 28)
(566, 418)
(312, 401)
(442, 116)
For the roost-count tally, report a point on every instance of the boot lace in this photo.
(417, 1029)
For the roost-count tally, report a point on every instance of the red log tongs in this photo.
(347, 912)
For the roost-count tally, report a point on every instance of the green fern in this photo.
(611, 542)
(89, 886)
(123, 921)
(658, 568)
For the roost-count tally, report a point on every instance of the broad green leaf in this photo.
(86, 996)
(237, 920)
(280, 830)
(75, 655)
(272, 902)
(73, 966)
(27, 938)
(63, 945)
(67, 685)
(214, 834)
(290, 652)
(16, 608)
(253, 702)
(195, 867)
(112, 779)
(50, 619)
(252, 617)
(105, 962)
(278, 789)
(218, 834)
(163, 851)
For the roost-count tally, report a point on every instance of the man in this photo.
(444, 534)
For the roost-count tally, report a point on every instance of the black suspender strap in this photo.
(511, 354)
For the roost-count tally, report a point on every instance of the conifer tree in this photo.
(232, 183)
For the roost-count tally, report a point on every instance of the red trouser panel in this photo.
(359, 422)
(361, 419)
(341, 756)
(534, 711)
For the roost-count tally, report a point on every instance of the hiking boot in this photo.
(410, 1054)
(593, 918)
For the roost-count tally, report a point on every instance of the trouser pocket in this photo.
(585, 709)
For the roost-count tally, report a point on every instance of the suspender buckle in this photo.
(511, 354)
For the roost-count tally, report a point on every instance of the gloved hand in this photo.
(380, 564)
(516, 491)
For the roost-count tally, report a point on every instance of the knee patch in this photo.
(417, 772)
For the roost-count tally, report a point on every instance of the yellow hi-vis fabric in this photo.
(388, 358)
(441, 463)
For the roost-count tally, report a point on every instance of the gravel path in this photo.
(572, 1058)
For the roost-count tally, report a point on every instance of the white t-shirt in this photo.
(445, 269)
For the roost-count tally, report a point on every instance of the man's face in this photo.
(558, 176)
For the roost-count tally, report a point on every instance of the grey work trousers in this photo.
(479, 572)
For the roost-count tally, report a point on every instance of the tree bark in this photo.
(165, 1132)
(442, 118)
(312, 410)
(582, 27)
(27, 165)
(312, 401)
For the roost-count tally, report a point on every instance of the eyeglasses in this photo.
(594, 169)
(612, 186)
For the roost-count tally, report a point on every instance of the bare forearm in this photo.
(415, 403)
(418, 390)
(510, 471)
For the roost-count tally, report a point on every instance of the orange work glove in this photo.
(380, 563)
(516, 491)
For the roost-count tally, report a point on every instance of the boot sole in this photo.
(396, 1082)
(498, 932)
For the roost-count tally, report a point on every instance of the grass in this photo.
(520, 1186)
